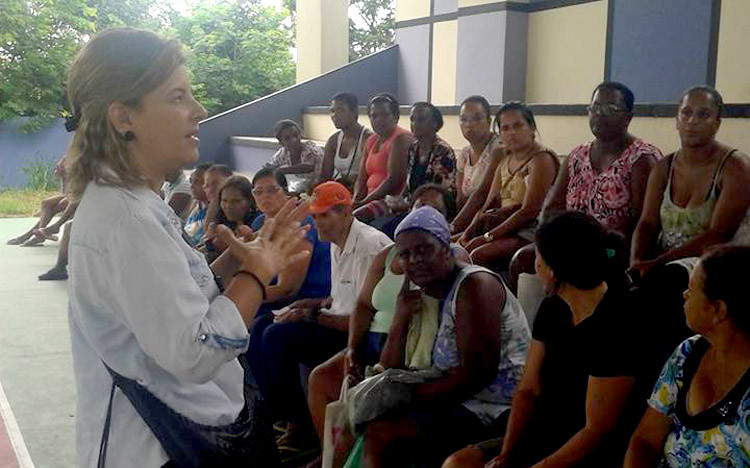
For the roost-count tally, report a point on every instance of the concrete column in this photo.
(322, 37)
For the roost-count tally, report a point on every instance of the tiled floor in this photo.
(36, 370)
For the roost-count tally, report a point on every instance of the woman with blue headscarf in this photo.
(480, 348)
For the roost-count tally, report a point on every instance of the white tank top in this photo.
(347, 167)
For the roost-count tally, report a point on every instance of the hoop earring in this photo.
(128, 136)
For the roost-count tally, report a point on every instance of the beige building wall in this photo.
(444, 44)
(565, 58)
(412, 9)
(562, 133)
(322, 37)
(733, 60)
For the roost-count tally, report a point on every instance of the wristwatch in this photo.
(487, 237)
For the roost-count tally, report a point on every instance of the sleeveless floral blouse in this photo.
(606, 196)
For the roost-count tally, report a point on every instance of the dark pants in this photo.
(274, 356)
(659, 299)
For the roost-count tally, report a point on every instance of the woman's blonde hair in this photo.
(117, 65)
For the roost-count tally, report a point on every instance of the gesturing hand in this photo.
(279, 243)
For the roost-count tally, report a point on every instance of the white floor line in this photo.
(14, 432)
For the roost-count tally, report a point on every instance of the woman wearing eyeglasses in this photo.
(607, 178)
(308, 278)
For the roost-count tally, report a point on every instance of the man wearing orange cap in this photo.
(310, 331)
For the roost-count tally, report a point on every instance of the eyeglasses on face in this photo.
(268, 190)
(604, 109)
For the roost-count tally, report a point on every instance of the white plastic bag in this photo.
(336, 424)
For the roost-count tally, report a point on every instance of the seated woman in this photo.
(507, 220)
(370, 321)
(697, 197)
(568, 409)
(431, 161)
(297, 158)
(605, 178)
(698, 413)
(237, 210)
(309, 278)
(481, 354)
(383, 169)
(476, 163)
(344, 149)
(213, 179)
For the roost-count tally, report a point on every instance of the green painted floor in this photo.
(35, 363)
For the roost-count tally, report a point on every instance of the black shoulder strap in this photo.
(105, 432)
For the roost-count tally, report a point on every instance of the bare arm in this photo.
(647, 444)
(290, 280)
(638, 185)
(649, 224)
(605, 400)
(460, 196)
(476, 333)
(526, 395)
(211, 212)
(477, 199)
(728, 213)
(398, 161)
(489, 202)
(361, 317)
(555, 200)
(336, 322)
(360, 186)
(394, 351)
(541, 176)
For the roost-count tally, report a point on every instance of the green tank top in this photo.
(679, 225)
(384, 296)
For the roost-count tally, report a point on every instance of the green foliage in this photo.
(239, 51)
(40, 175)
(378, 30)
(37, 40)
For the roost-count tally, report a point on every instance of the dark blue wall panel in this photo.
(18, 150)
(660, 47)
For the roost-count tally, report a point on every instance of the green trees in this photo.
(37, 40)
(376, 29)
(237, 50)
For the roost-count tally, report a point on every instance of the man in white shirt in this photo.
(310, 331)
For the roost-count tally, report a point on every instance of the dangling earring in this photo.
(128, 136)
